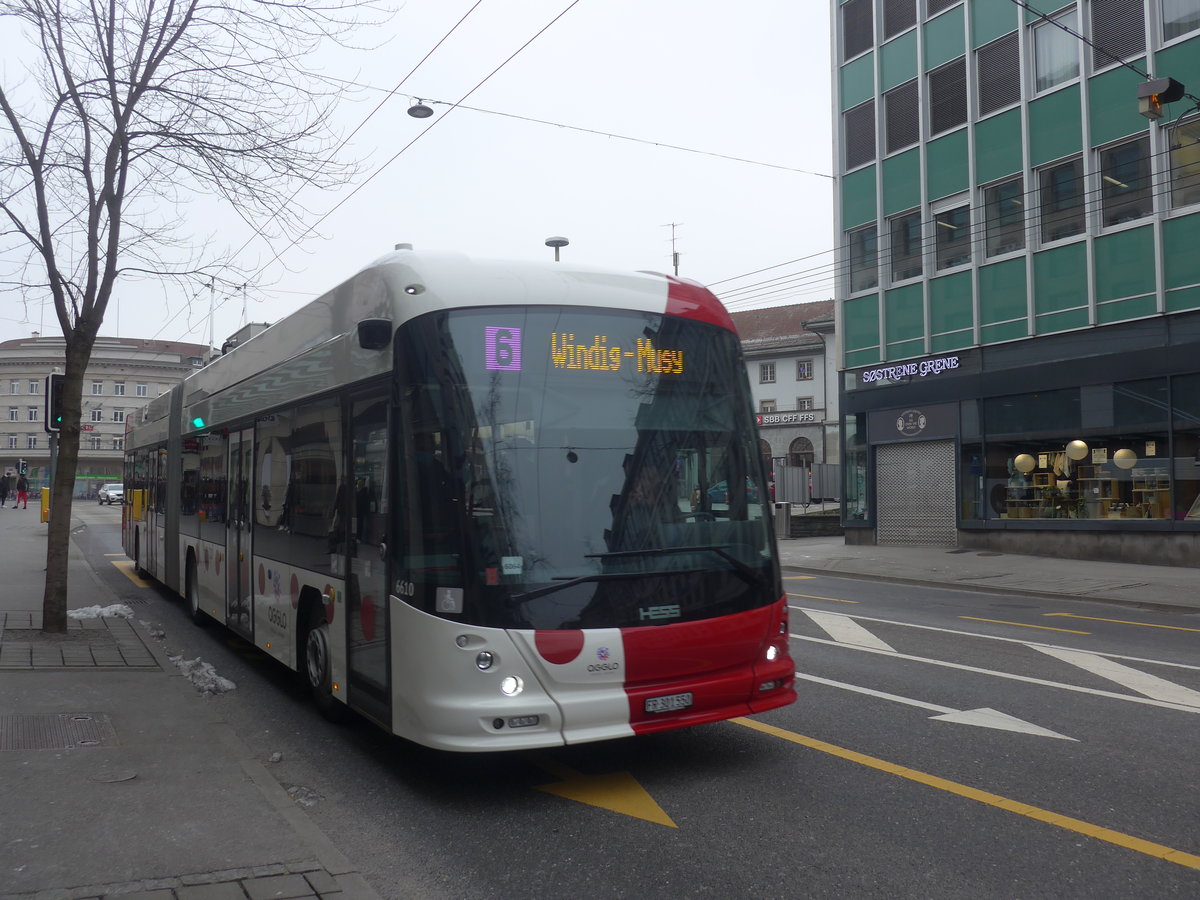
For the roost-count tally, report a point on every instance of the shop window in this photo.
(1185, 393)
(1056, 53)
(1185, 163)
(953, 230)
(1118, 31)
(1061, 189)
(860, 134)
(1179, 17)
(1004, 212)
(801, 452)
(972, 488)
(902, 117)
(858, 26)
(905, 248)
(948, 96)
(855, 502)
(864, 258)
(998, 66)
(1125, 182)
(766, 373)
(898, 16)
(804, 370)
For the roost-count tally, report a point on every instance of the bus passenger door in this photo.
(238, 524)
(367, 578)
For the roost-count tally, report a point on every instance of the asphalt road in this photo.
(945, 744)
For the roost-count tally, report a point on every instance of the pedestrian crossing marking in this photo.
(1147, 685)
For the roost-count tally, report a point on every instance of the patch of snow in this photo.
(202, 675)
(100, 612)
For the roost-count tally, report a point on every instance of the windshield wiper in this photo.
(749, 575)
(582, 579)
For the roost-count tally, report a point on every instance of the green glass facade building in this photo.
(1018, 297)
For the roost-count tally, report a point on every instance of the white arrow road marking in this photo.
(1147, 685)
(984, 717)
(845, 630)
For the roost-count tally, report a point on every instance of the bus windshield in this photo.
(578, 468)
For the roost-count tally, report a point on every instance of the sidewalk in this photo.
(119, 778)
(1169, 587)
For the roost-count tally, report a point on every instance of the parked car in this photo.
(111, 493)
(719, 492)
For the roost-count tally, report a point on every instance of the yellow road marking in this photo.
(811, 597)
(1128, 841)
(126, 567)
(617, 792)
(798, 577)
(1121, 622)
(114, 554)
(1023, 625)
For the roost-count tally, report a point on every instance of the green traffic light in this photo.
(197, 422)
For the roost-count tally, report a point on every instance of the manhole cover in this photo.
(64, 731)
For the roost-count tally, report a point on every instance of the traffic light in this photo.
(23, 466)
(54, 402)
(1154, 93)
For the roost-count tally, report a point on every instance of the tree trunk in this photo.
(62, 490)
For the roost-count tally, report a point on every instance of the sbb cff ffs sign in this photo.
(52, 420)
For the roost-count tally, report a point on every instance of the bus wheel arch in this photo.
(315, 663)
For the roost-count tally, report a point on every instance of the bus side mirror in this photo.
(374, 334)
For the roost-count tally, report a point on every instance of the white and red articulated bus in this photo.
(488, 505)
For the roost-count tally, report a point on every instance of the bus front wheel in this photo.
(319, 670)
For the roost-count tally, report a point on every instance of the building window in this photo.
(118, 415)
(998, 66)
(804, 370)
(1118, 31)
(1061, 190)
(14, 387)
(1185, 163)
(860, 134)
(933, 7)
(118, 443)
(864, 258)
(953, 229)
(766, 406)
(33, 413)
(13, 414)
(139, 390)
(858, 27)
(35, 387)
(97, 387)
(804, 403)
(898, 16)
(905, 248)
(766, 373)
(1056, 53)
(119, 388)
(1125, 182)
(1004, 211)
(902, 117)
(1179, 17)
(948, 96)
(31, 442)
(97, 415)
(12, 442)
(94, 443)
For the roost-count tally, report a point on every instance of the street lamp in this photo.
(419, 110)
(557, 243)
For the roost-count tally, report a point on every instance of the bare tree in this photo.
(129, 106)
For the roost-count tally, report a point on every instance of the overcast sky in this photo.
(747, 80)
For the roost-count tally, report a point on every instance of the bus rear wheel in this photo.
(318, 669)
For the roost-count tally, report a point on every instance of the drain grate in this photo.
(64, 731)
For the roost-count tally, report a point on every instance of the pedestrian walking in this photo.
(3, 490)
(22, 491)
